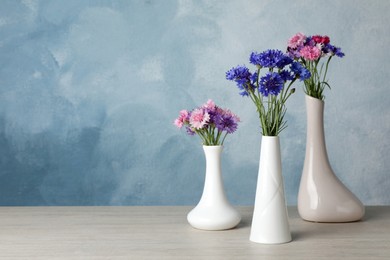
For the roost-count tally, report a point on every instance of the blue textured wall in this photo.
(89, 90)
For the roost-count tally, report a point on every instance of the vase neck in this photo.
(315, 118)
(213, 164)
(315, 138)
(212, 152)
(213, 191)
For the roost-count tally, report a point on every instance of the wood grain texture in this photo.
(163, 233)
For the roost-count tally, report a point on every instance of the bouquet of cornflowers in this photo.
(309, 50)
(209, 121)
(268, 92)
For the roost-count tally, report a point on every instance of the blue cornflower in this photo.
(254, 78)
(300, 71)
(284, 61)
(239, 72)
(272, 83)
(338, 52)
(242, 77)
(333, 50)
(268, 58)
(245, 85)
(286, 75)
(255, 58)
(242, 86)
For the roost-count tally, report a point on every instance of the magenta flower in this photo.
(199, 118)
(310, 52)
(296, 41)
(183, 117)
(321, 39)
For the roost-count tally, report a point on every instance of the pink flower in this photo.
(209, 105)
(296, 41)
(310, 52)
(183, 117)
(199, 118)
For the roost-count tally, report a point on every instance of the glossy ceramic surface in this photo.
(322, 197)
(213, 212)
(270, 220)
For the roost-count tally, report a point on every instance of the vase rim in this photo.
(212, 145)
(270, 136)
(313, 98)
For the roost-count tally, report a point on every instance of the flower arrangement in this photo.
(309, 50)
(209, 121)
(268, 92)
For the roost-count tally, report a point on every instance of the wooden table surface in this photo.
(163, 233)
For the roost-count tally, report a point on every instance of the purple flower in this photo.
(310, 42)
(293, 53)
(226, 122)
(272, 83)
(190, 131)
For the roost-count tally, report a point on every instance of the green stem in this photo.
(223, 140)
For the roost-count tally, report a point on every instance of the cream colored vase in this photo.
(270, 220)
(322, 196)
(213, 212)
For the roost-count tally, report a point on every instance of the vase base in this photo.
(206, 218)
(335, 215)
(340, 206)
(266, 242)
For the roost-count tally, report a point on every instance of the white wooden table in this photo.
(163, 233)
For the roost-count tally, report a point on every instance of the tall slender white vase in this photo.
(213, 212)
(270, 219)
(322, 196)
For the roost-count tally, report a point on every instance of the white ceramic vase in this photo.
(270, 219)
(322, 196)
(213, 212)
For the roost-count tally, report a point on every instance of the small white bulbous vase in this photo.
(213, 212)
(270, 219)
(322, 196)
